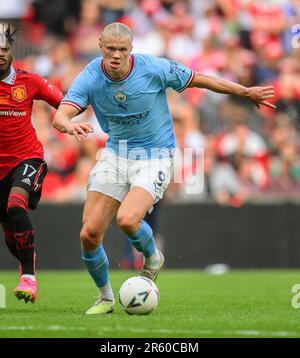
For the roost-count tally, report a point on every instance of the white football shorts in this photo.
(114, 176)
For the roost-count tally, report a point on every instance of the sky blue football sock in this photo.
(97, 264)
(143, 240)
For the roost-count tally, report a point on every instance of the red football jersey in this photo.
(18, 140)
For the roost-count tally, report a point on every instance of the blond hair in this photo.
(116, 29)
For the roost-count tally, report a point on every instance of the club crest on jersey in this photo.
(19, 93)
(120, 96)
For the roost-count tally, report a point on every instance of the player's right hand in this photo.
(79, 130)
(259, 95)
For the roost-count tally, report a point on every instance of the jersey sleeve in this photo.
(78, 94)
(47, 92)
(174, 74)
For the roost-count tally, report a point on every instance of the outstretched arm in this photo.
(258, 95)
(62, 122)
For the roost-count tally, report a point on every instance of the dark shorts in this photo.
(28, 175)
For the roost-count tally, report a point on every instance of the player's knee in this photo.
(128, 222)
(17, 207)
(16, 213)
(90, 238)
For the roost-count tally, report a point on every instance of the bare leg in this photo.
(133, 209)
(98, 213)
(130, 219)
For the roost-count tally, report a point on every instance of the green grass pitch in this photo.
(192, 304)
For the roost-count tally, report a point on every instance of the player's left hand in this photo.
(79, 129)
(259, 95)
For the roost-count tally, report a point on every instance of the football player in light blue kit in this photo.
(128, 95)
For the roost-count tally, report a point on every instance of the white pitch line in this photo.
(43, 328)
(160, 331)
(205, 332)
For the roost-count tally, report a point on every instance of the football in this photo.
(138, 295)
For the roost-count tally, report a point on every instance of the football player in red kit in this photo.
(22, 165)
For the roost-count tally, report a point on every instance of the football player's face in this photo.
(6, 57)
(116, 53)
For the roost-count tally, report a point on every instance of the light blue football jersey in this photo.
(133, 111)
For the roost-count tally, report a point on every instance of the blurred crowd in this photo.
(249, 154)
